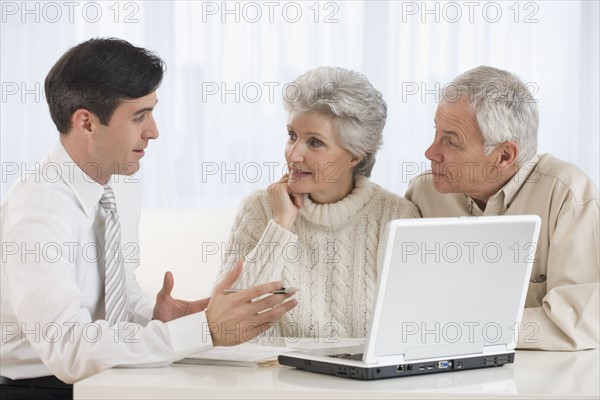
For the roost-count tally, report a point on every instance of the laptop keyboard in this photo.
(348, 356)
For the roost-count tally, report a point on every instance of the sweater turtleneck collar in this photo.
(338, 213)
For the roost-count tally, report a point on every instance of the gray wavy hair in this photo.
(357, 109)
(504, 108)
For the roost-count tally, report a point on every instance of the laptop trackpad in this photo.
(443, 350)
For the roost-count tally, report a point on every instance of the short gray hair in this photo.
(356, 107)
(504, 108)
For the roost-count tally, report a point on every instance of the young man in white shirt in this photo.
(484, 162)
(59, 243)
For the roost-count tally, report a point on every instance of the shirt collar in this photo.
(339, 213)
(507, 193)
(87, 191)
(513, 186)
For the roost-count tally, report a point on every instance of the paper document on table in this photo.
(243, 355)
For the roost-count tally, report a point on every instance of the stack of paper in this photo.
(244, 355)
(253, 354)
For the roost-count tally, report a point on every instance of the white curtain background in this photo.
(220, 113)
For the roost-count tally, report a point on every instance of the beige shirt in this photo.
(563, 304)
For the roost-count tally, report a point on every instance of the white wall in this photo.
(189, 243)
(213, 150)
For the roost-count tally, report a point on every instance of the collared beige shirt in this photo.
(562, 309)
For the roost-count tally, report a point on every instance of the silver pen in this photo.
(278, 291)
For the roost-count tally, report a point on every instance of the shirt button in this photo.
(541, 278)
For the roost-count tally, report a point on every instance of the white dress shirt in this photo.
(52, 281)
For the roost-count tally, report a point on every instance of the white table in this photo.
(534, 374)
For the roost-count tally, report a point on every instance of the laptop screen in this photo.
(450, 286)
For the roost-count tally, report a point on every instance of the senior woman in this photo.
(320, 228)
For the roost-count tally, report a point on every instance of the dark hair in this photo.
(98, 75)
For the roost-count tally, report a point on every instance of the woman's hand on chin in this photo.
(285, 203)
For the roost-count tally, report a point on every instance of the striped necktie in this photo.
(114, 281)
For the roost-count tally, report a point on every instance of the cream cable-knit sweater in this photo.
(331, 254)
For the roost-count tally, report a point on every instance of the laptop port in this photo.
(400, 368)
(495, 361)
(430, 366)
(421, 367)
(444, 364)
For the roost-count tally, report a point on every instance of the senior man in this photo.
(484, 162)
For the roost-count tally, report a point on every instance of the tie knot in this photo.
(108, 200)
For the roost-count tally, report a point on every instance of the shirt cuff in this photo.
(538, 332)
(143, 315)
(189, 334)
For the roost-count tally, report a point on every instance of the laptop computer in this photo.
(450, 296)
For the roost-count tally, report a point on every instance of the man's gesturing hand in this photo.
(167, 308)
(238, 317)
